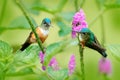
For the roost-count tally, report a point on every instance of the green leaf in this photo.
(52, 50)
(61, 74)
(64, 29)
(5, 50)
(14, 72)
(24, 61)
(29, 7)
(67, 15)
(115, 50)
(41, 7)
(29, 55)
(21, 23)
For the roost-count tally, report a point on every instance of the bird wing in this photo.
(40, 35)
(96, 41)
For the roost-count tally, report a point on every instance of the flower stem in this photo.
(76, 5)
(106, 77)
(81, 60)
(3, 11)
(21, 6)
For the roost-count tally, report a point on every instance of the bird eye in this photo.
(44, 23)
(84, 33)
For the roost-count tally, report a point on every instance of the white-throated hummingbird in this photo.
(88, 39)
(42, 32)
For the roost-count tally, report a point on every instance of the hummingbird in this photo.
(42, 32)
(88, 39)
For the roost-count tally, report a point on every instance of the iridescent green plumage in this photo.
(88, 39)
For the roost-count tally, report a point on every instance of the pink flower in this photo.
(54, 64)
(78, 22)
(41, 56)
(72, 64)
(105, 66)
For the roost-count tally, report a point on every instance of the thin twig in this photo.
(21, 6)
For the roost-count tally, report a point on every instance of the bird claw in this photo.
(82, 45)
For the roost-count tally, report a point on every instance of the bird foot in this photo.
(82, 45)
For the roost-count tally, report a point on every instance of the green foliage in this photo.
(29, 7)
(21, 23)
(26, 62)
(5, 58)
(64, 29)
(52, 50)
(61, 74)
(18, 23)
(115, 50)
(20, 63)
(109, 4)
(54, 10)
(5, 50)
(29, 55)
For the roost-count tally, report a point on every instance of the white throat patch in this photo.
(80, 37)
(45, 32)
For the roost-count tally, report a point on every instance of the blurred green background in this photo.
(16, 36)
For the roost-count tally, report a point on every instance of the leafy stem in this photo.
(81, 49)
(106, 77)
(21, 6)
(3, 11)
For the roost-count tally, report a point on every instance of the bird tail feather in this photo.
(24, 46)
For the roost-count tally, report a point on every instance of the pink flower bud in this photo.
(105, 66)
(41, 56)
(71, 65)
(54, 64)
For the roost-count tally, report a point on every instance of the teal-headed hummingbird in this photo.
(42, 32)
(88, 39)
